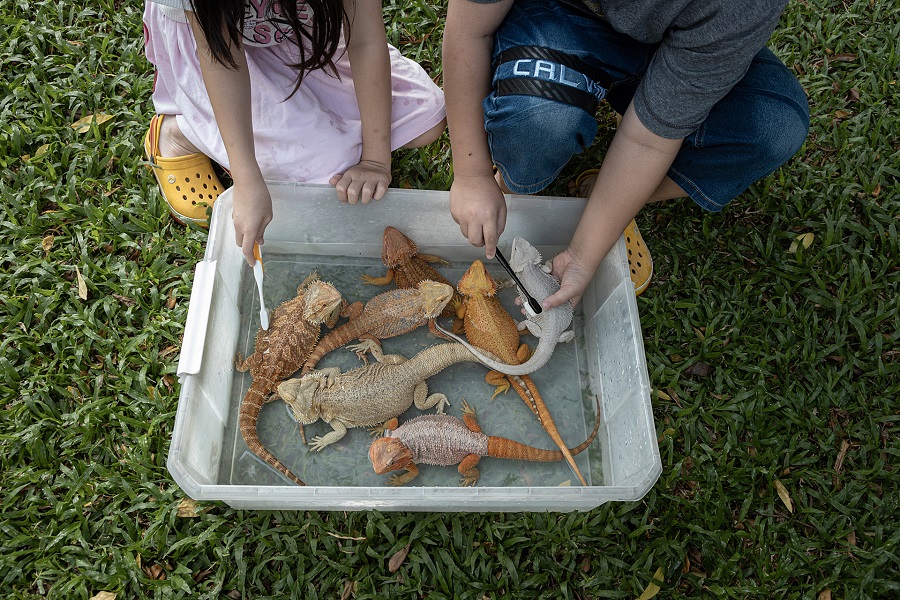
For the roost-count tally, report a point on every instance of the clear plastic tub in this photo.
(313, 231)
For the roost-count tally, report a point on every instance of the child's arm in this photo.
(371, 67)
(476, 201)
(633, 169)
(229, 94)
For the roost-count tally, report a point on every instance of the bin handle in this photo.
(197, 319)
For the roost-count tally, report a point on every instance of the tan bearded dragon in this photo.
(445, 440)
(371, 395)
(386, 315)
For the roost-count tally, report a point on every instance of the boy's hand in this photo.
(366, 181)
(574, 276)
(479, 207)
(252, 213)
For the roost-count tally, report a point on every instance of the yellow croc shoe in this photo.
(188, 183)
(640, 263)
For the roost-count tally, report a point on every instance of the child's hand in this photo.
(479, 207)
(363, 182)
(252, 213)
(574, 277)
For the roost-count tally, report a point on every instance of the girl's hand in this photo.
(363, 182)
(574, 276)
(252, 213)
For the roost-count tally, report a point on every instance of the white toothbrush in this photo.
(258, 275)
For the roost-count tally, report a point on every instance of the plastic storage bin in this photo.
(312, 230)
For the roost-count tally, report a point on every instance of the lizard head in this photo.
(322, 300)
(435, 297)
(396, 247)
(523, 254)
(477, 282)
(299, 394)
(389, 454)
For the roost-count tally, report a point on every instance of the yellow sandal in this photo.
(188, 183)
(639, 260)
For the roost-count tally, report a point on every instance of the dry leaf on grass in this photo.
(82, 286)
(83, 124)
(804, 238)
(104, 596)
(47, 244)
(700, 369)
(398, 558)
(652, 589)
(349, 589)
(825, 595)
(783, 494)
(187, 508)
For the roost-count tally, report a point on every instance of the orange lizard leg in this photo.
(431, 258)
(469, 417)
(387, 426)
(388, 277)
(523, 353)
(412, 471)
(498, 379)
(469, 470)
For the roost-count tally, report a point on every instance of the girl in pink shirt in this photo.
(279, 90)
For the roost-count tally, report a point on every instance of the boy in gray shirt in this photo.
(707, 110)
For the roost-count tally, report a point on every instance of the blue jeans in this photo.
(748, 134)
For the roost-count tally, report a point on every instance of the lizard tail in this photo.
(333, 340)
(247, 417)
(499, 447)
(526, 389)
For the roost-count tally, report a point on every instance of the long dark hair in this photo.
(222, 22)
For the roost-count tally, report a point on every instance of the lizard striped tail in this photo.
(332, 341)
(500, 447)
(526, 389)
(247, 418)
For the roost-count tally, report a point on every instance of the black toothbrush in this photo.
(532, 303)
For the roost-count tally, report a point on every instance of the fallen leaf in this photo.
(853, 95)
(344, 537)
(349, 588)
(47, 243)
(841, 114)
(566, 483)
(851, 538)
(201, 576)
(652, 589)
(844, 57)
(783, 494)
(839, 463)
(82, 286)
(806, 239)
(154, 571)
(877, 190)
(663, 395)
(825, 595)
(686, 568)
(83, 124)
(170, 302)
(187, 508)
(586, 564)
(41, 150)
(124, 299)
(398, 558)
(104, 596)
(700, 369)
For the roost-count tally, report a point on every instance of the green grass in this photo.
(803, 347)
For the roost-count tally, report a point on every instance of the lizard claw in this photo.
(466, 409)
(317, 444)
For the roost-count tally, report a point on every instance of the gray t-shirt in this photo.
(705, 48)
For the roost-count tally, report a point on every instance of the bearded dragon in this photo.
(489, 327)
(280, 351)
(386, 315)
(549, 326)
(445, 440)
(370, 395)
(407, 266)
